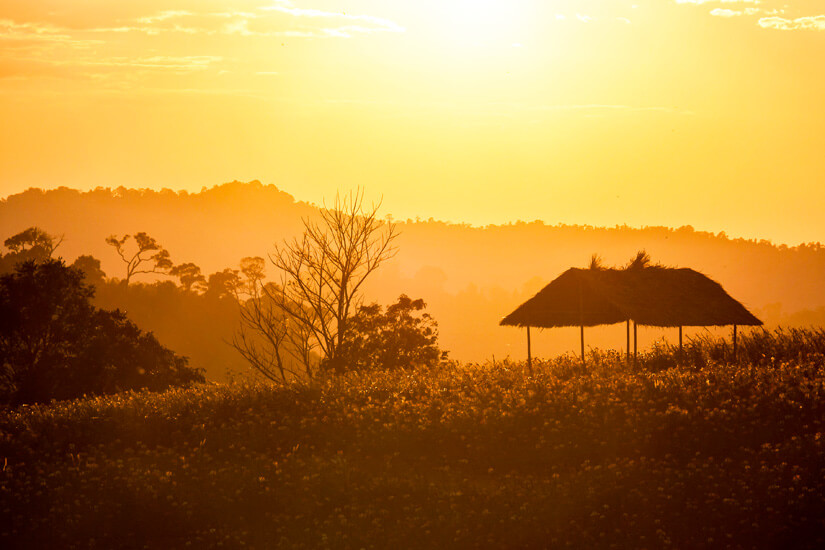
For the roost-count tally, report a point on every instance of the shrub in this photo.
(402, 337)
(55, 345)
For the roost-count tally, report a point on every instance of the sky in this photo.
(598, 112)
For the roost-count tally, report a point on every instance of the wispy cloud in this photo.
(814, 23)
(48, 43)
(718, 1)
(355, 23)
(102, 68)
(127, 44)
(607, 108)
(506, 108)
(22, 34)
(164, 62)
(282, 19)
(163, 16)
(288, 8)
(773, 14)
(725, 12)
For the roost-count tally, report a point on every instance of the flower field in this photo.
(708, 455)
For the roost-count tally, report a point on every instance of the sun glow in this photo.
(467, 110)
(484, 22)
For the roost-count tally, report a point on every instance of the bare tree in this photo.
(324, 269)
(263, 331)
(322, 274)
(268, 337)
(149, 257)
(304, 318)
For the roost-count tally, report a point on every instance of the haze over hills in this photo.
(469, 276)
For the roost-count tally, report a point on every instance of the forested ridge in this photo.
(469, 276)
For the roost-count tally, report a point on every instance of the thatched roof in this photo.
(655, 296)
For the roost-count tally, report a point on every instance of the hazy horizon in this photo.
(377, 199)
(470, 277)
(652, 113)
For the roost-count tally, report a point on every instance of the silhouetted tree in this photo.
(268, 338)
(324, 270)
(222, 284)
(90, 266)
(33, 239)
(192, 324)
(30, 244)
(55, 345)
(190, 276)
(147, 257)
(402, 337)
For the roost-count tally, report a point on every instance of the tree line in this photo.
(308, 321)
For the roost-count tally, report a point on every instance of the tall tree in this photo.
(324, 270)
(190, 276)
(147, 256)
(269, 338)
(322, 276)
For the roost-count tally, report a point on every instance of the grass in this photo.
(706, 455)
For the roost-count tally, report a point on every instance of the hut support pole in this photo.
(734, 343)
(581, 319)
(529, 355)
(635, 342)
(681, 349)
(628, 341)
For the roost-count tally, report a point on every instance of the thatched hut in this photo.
(646, 295)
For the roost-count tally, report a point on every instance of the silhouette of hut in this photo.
(644, 294)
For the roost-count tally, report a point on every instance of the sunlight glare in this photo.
(483, 22)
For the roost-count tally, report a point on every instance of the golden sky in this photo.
(600, 112)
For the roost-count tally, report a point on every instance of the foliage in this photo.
(190, 276)
(197, 326)
(196, 318)
(268, 338)
(90, 266)
(640, 261)
(55, 345)
(222, 283)
(596, 456)
(32, 239)
(147, 257)
(30, 244)
(322, 276)
(399, 338)
(757, 347)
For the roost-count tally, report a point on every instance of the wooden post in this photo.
(581, 318)
(680, 345)
(529, 356)
(734, 343)
(628, 341)
(635, 342)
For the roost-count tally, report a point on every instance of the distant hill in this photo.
(469, 276)
(213, 228)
